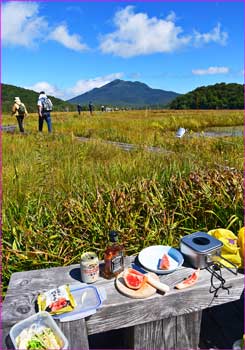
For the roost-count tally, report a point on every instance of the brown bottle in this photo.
(113, 257)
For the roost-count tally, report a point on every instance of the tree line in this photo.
(218, 96)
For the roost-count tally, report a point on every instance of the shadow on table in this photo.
(9, 343)
(76, 274)
(108, 340)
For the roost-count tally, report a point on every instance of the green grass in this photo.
(62, 196)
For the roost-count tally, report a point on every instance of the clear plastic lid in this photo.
(87, 300)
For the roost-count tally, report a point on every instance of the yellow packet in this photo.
(56, 301)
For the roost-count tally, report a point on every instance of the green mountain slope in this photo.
(120, 93)
(221, 96)
(29, 98)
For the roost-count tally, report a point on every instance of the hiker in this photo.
(44, 106)
(20, 111)
(90, 107)
(102, 108)
(79, 108)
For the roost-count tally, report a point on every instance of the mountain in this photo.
(120, 93)
(29, 98)
(218, 96)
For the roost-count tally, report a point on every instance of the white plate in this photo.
(149, 258)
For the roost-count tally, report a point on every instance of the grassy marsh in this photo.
(61, 196)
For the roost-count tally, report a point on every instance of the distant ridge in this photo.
(126, 94)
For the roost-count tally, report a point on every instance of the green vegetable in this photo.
(35, 344)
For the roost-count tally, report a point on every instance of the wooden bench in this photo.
(170, 321)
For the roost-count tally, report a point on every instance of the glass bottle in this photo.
(113, 257)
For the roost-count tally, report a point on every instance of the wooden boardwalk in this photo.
(126, 146)
(8, 128)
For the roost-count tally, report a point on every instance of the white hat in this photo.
(17, 99)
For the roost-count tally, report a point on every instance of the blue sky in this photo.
(68, 48)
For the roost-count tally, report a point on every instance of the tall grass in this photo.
(62, 196)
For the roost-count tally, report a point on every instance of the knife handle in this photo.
(157, 284)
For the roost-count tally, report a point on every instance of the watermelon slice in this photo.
(134, 279)
(164, 262)
(189, 281)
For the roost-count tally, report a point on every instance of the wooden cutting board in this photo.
(144, 292)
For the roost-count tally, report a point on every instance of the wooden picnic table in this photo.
(170, 321)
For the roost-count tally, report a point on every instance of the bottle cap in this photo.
(113, 236)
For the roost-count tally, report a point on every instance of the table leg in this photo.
(188, 329)
(76, 333)
(177, 332)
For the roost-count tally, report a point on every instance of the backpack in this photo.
(47, 105)
(21, 110)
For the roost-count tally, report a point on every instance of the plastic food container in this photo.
(87, 300)
(41, 318)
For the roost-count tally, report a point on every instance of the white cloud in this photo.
(171, 16)
(61, 35)
(215, 35)
(211, 70)
(48, 88)
(137, 34)
(80, 87)
(83, 86)
(21, 25)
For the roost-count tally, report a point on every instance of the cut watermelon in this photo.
(134, 279)
(189, 281)
(164, 263)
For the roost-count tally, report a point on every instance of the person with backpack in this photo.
(44, 107)
(20, 112)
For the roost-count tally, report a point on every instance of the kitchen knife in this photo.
(150, 280)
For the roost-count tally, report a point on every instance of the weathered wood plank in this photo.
(120, 311)
(155, 308)
(155, 335)
(76, 333)
(188, 330)
(181, 332)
